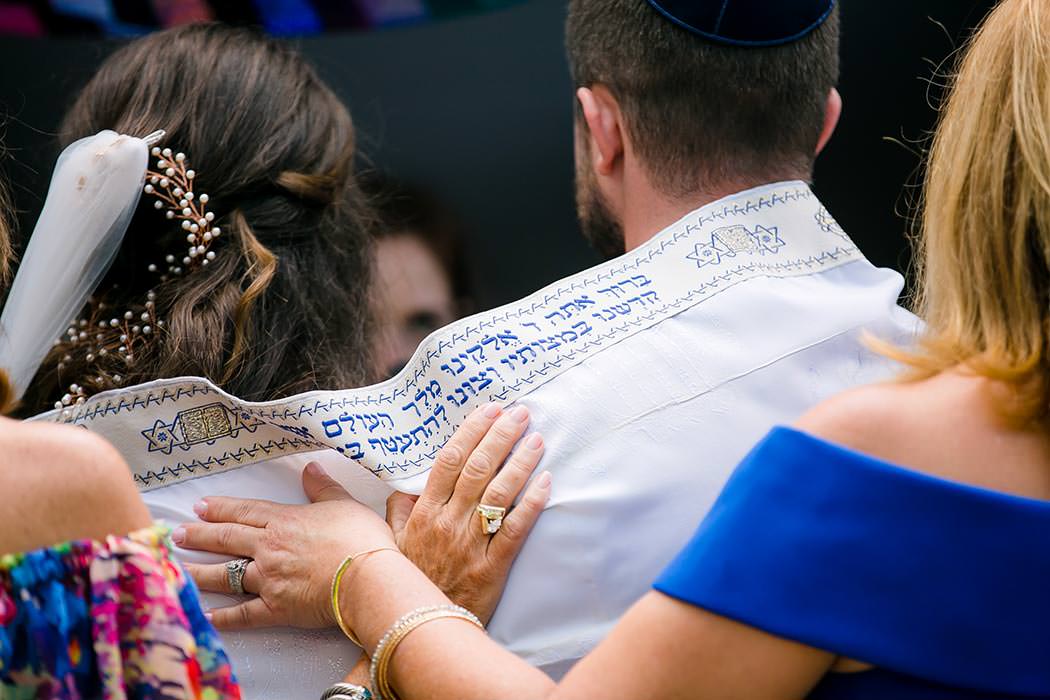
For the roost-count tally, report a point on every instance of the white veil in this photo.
(93, 193)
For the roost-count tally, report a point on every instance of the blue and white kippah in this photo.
(747, 22)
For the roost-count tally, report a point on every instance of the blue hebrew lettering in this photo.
(406, 439)
(451, 370)
(481, 381)
(413, 406)
(300, 430)
(586, 328)
(347, 418)
(559, 314)
(354, 448)
(329, 425)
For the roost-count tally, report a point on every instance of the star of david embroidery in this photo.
(768, 239)
(161, 437)
(196, 425)
(709, 253)
(828, 224)
(727, 242)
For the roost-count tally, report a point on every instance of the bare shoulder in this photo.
(71, 484)
(861, 418)
(945, 426)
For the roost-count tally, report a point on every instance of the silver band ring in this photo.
(235, 574)
(491, 518)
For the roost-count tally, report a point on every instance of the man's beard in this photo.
(600, 226)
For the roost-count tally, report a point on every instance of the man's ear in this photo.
(601, 113)
(832, 112)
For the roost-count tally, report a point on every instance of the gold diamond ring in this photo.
(491, 518)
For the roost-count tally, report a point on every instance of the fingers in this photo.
(511, 479)
(398, 509)
(221, 538)
(451, 458)
(247, 615)
(485, 460)
(321, 487)
(246, 511)
(213, 579)
(507, 542)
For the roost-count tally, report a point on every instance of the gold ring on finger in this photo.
(491, 518)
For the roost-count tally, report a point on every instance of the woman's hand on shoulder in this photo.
(294, 551)
(442, 531)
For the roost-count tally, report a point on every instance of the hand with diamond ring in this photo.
(295, 550)
(456, 531)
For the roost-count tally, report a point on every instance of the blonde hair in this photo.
(983, 258)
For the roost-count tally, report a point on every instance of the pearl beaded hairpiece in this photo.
(172, 185)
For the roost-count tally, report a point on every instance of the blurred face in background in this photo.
(412, 297)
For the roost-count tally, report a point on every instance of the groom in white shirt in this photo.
(736, 303)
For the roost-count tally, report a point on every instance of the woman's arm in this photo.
(661, 648)
(63, 483)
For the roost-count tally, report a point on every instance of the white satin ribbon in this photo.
(93, 194)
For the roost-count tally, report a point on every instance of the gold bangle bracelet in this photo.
(337, 579)
(396, 634)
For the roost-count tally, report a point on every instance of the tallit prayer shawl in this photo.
(649, 377)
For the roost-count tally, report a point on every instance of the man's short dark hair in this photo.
(700, 112)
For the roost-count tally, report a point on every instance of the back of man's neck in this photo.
(649, 213)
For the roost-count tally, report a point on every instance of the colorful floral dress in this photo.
(117, 619)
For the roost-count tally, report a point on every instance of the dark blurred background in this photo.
(475, 104)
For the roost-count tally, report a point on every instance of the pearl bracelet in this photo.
(384, 651)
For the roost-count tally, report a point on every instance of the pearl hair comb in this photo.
(106, 343)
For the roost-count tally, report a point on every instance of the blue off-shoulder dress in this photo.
(943, 587)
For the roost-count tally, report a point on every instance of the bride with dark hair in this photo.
(245, 260)
(282, 307)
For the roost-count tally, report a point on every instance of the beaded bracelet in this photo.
(338, 579)
(384, 651)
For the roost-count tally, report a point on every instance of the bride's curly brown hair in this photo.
(283, 307)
